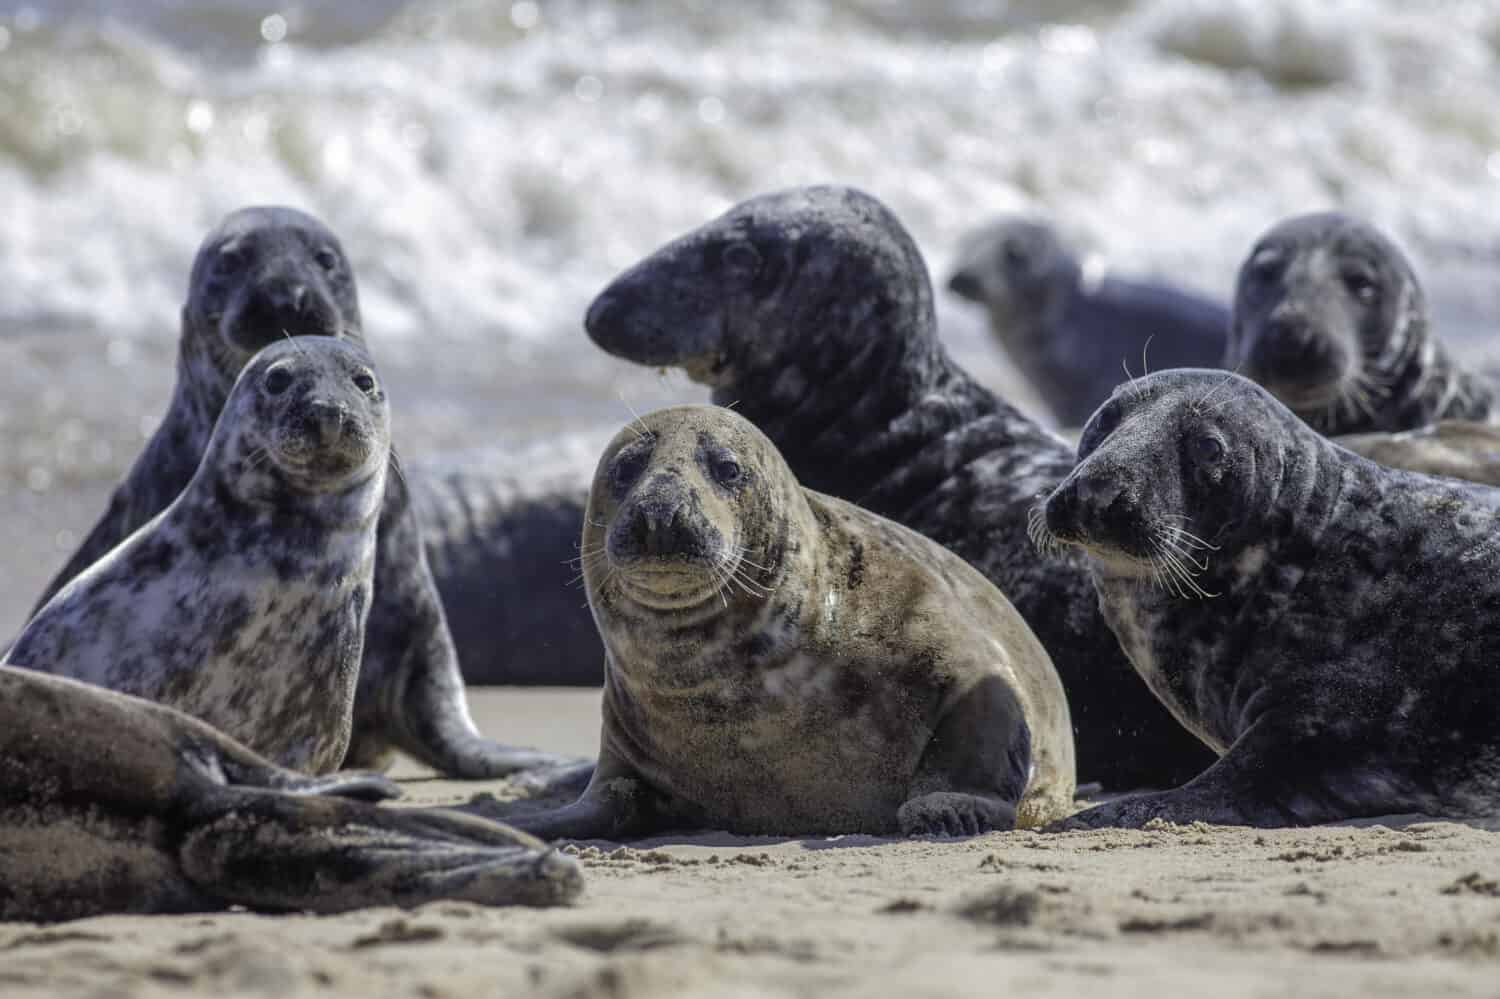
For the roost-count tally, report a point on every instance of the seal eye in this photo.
(327, 259)
(1265, 265)
(365, 382)
(628, 468)
(726, 471)
(278, 380)
(1014, 255)
(229, 260)
(1361, 285)
(741, 259)
(1206, 449)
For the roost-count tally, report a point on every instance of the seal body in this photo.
(262, 274)
(810, 311)
(781, 662)
(243, 603)
(1330, 317)
(1071, 335)
(1459, 449)
(113, 804)
(1324, 623)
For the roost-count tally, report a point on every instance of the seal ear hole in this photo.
(741, 258)
(365, 382)
(327, 259)
(278, 380)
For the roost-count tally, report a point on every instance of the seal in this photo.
(781, 662)
(811, 312)
(1459, 449)
(1321, 621)
(111, 804)
(243, 603)
(1072, 334)
(261, 274)
(1330, 317)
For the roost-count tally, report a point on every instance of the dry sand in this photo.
(1403, 906)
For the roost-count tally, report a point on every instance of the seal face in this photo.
(113, 804)
(1329, 316)
(265, 273)
(1070, 334)
(244, 602)
(1322, 621)
(784, 662)
(810, 311)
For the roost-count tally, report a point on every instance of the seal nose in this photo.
(1291, 346)
(324, 421)
(964, 284)
(596, 322)
(660, 529)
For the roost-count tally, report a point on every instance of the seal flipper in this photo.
(411, 695)
(271, 851)
(617, 804)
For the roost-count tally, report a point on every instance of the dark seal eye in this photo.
(628, 468)
(726, 471)
(327, 259)
(365, 382)
(1100, 426)
(229, 260)
(742, 259)
(1015, 255)
(1206, 449)
(1265, 265)
(278, 380)
(1362, 285)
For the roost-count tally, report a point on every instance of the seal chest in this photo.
(243, 603)
(782, 662)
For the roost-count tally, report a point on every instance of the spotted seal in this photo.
(110, 804)
(243, 603)
(783, 662)
(1330, 317)
(810, 311)
(1323, 622)
(1070, 334)
(262, 273)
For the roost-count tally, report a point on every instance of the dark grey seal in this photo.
(1330, 317)
(1072, 336)
(262, 274)
(782, 662)
(810, 311)
(110, 804)
(243, 603)
(1326, 624)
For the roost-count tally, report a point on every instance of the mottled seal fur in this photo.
(263, 273)
(1325, 623)
(113, 804)
(810, 311)
(783, 662)
(243, 603)
(1072, 334)
(1330, 317)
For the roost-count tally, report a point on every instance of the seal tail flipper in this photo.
(278, 852)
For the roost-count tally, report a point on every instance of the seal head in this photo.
(1018, 268)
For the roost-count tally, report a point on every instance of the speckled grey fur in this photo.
(243, 603)
(811, 312)
(1073, 335)
(112, 804)
(782, 662)
(1330, 317)
(263, 273)
(1325, 623)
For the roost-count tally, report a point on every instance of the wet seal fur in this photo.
(261, 274)
(810, 311)
(1072, 334)
(782, 662)
(111, 804)
(1325, 623)
(1330, 317)
(243, 603)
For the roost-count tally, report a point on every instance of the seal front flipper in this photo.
(617, 804)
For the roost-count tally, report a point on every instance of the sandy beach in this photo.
(1397, 906)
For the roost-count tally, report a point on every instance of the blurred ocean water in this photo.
(491, 164)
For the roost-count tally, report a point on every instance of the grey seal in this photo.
(262, 273)
(1330, 317)
(111, 804)
(1070, 334)
(1326, 624)
(783, 662)
(1459, 449)
(243, 603)
(811, 312)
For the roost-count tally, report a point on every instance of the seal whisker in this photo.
(1184, 574)
(1172, 545)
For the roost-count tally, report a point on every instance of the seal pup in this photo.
(262, 273)
(1326, 624)
(1330, 317)
(243, 603)
(782, 662)
(810, 311)
(111, 804)
(1069, 333)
